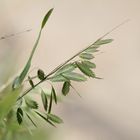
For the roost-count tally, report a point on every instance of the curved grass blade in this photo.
(54, 118)
(19, 79)
(46, 18)
(24, 72)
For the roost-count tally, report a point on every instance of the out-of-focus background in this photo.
(109, 108)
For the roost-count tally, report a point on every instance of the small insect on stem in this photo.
(14, 34)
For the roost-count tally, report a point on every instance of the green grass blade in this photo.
(84, 69)
(104, 41)
(46, 18)
(54, 118)
(24, 72)
(66, 88)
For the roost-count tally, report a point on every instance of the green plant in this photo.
(18, 109)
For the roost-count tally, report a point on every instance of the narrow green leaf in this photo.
(105, 41)
(19, 115)
(89, 64)
(74, 76)
(31, 120)
(19, 79)
(92, 49)
(86, 56)
(28, 64)
(67, 68)
(43, 117)
(50, 123)
(30, 81)
(31, 103)
(86, 70)
(54, 118)
(54, 95)
(44, 100)
(66, 88)
(41, 74)
(50, 104)
(25, 71)
(58, 78)
(46, 18)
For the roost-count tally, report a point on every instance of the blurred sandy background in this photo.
(109, 108)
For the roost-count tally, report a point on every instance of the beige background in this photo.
(109, 108)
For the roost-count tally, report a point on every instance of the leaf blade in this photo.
(54, 95)
(92, 49)
(103, 41)
(25, 70)
(75, 76)
(31, 103)
(50, 104)
(31, 82)
(58, 78)
(89, 64)
(86, 56)
(19, 115)
(67, 68)
(66, 88)
(41, 74)
(54, 118)
(46, 18)
(46, 119)
(44, 100)
(84, 69)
